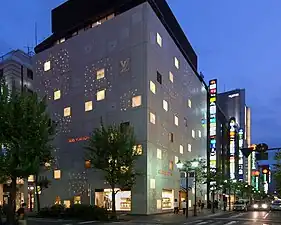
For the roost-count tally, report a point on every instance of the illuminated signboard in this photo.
(232, 144)
(213, 124)
(78, 139)
(233, 95)
(241, 157)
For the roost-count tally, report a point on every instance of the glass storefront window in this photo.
(66, 203)
(77, 199)
(167, 199)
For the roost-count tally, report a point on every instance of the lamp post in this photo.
(194, 165)
(180, 167)
(30, 189)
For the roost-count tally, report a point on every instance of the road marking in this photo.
(86, 222)
(265, 215)
(231, 222)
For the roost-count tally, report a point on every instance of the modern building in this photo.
(233, 104)
(126, 61)
(16, 70)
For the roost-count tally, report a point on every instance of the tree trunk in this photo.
(37, 194)
(113, 204)
(12, 202)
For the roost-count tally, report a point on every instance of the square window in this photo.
(100, 74)
(152, 87)
(88, 106)
(159, 78)
(189, 103)
(171, 165)
(136, 101)
(176, 159)
(159, 153)
(152, 118)
(177, 64)
(137, 149)
(67, 203)
(171, 137)
(171, 77)
(47, 66)
(199, 133)
(165, 105)
(189, 147)
(57, 95)
(181, 149)
(152, 183)
(66, 111)
(101, 95)
(176, 120)
(57, 174)
(159, 39)
(193, 133)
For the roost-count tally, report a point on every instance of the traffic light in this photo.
(261, 147)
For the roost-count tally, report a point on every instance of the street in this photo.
(227, 218)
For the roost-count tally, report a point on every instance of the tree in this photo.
(277, 172)
(111, 150)
(24, 136)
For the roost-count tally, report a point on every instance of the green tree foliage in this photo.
(277, 172)
(111, 150)
(25, 134)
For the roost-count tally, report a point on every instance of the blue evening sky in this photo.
(236, 41)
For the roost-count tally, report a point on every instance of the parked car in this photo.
(276, 205)
(260, 205)
(241, 205)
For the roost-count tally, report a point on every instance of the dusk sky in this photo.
(238, 42)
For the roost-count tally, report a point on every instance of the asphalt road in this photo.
(232, 218)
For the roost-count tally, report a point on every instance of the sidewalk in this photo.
(169, 218)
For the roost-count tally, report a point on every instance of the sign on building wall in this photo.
(241, 157)
(213, 124)
(232, 146)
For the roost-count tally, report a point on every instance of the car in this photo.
(275, 205)
(260, 205)
(240, 205)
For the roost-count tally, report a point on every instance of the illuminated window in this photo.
(177, 64)
(189, 147)
(152, 183)
(136, 101)
(189, 103)
(159, 153)
(67, 203)
(47, 66)
(199, 133)
(101, 95)
(176, 120)
(152, 87)
(100, 74)
(171, 165)
(165, 105)
(77, 200)
(66, 111)
(152, 118)
(181, 149)
(57, 95)
(30, 178)
(137, 149)
(171, 77)
(57, 174)
(88, 106)
(193, 133)
(159, 39)
(176, 159)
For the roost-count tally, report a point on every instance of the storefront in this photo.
(167, 199)
(103, 198)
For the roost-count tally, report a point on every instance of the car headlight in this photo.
(255, 206)
(264, 206)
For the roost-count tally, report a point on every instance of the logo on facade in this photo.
(125, 65)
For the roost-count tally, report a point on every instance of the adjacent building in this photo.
(128, 62)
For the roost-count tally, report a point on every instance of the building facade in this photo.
(129, 62)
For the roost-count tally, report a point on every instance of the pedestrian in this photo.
(21, 216)
(199, 205)
(176, 207)
(183, 207)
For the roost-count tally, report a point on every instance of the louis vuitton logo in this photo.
(125, 65)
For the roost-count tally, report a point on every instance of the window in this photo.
(189, 103)
(159, 153)
(189, 147)
(152, 118)
(152, 183)
(176, 120)
(136, 101)
(171, 137)
(159, 78)
(67, 203)
(165, 105)
(171, 165)
(57, 174)
(152, 87)
(171, 77)
(101, 95)
(181, 149)
(177, 64)
(47, 66)
(199, 133)
(29, 74)
(100, 74)
(77, 200)
(137, 149)
(30, 178)
(176, 159)
(88, 106)
(185, 121)
(57, 95)
(66, 111)
(193, 133)
(159, 39)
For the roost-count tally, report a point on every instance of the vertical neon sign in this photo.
(213, 124)
(232, 145)
(241, 157)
